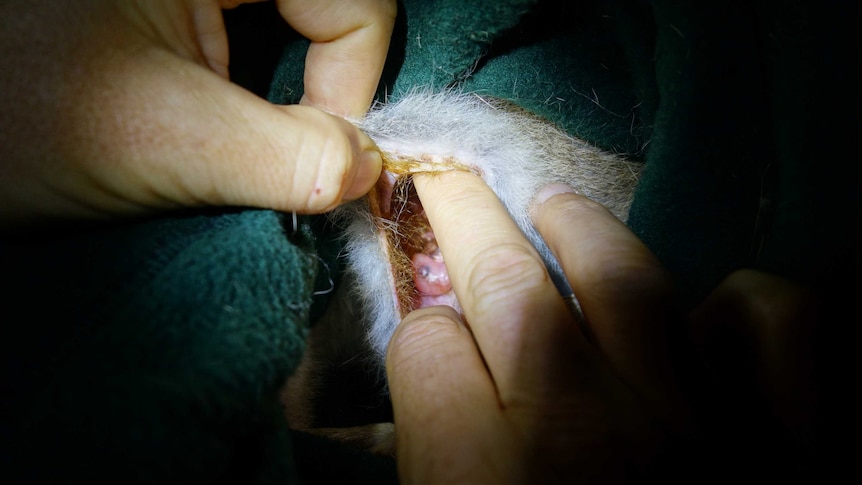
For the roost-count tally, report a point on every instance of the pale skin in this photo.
(119, 109)
(513, 391)
(114, 109)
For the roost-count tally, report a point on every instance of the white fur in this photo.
(516, 152)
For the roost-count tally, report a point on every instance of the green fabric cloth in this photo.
(153, 352)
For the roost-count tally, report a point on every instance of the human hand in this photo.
(122, 108)
(757, 389)
(514, 391)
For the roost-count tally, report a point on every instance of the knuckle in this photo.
(505, 272)
(635, 274)
(771, 300)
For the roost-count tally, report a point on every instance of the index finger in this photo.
(627, 297)
(349, 42)
(521, 324)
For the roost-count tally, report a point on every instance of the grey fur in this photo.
(516, 152)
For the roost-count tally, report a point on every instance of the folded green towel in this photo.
(153, 352)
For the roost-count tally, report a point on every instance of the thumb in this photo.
(289, 158)
(155, 132)
(200, 140)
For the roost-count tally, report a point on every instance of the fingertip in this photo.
(564, 203)
(370, 164)
(440, 389)
(433, 352)
(333, 161)
(349, 44)
(551, 190)
(546, 193)
(422, 330)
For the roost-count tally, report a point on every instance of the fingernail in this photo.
(551, 190)
(367, 174)
(546, 193)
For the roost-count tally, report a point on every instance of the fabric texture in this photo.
(153, 352)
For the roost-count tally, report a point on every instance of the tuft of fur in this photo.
(516, 153)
